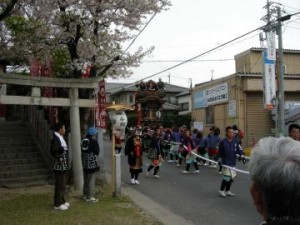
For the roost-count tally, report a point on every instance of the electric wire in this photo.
(132, 42)
(204, 53)
(177, 60)
(211, 50)
(193, 58)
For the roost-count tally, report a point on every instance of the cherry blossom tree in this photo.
(77, 32)
(6, 8)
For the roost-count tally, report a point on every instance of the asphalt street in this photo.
(188, 198)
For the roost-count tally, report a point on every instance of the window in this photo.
(184, 106)
(131, 99)
(210, 115)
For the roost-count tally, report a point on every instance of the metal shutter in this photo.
(258, 120)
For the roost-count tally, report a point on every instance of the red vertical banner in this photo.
(101, 115)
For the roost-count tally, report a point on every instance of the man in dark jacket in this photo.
(228, 149)
(59, 151)
(89, 156)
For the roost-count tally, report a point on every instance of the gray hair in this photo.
(275, 167)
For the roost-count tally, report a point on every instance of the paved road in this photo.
(193, 197)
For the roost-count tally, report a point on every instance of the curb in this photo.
(160, 213)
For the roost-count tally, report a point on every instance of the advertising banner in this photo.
(269, 84)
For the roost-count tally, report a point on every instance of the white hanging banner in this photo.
(269, 84)
(271, 45)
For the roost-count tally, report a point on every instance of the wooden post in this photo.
(113, 164)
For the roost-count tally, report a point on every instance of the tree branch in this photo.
(8, 10)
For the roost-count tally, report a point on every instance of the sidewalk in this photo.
(160, 213)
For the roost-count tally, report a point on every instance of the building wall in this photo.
(185, 99)
(249, 62)
(171, 98)
(245, 89)
(292, 63)
(222, 114)
(251, 116)
(123, 98)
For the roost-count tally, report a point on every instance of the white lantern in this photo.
(158, 114)
(119, 122)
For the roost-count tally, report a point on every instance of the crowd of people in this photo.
(186, 148)
(274, 164)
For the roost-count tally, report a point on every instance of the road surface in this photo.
(192, 197)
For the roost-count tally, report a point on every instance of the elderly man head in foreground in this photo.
(275, 172)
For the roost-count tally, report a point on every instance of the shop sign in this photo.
(212, 96)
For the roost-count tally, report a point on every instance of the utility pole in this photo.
(276, 25)
(281, 75)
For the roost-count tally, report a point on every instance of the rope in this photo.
(214, 162)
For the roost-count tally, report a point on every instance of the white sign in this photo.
(217, 94)
(269, 84)
(232, 108)
(212, 96)
(198, 125)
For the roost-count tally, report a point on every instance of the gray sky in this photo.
(193, 27)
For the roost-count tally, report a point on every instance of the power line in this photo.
(116, 58)
(195, 57)
(240, 41)
(213, 49)
(204, 53)
(140, 32)
(175, 60)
